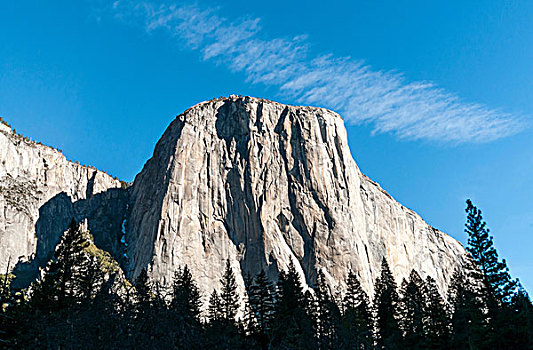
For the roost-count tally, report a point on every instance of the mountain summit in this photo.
(250, 180)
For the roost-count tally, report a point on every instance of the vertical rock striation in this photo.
(264, 184)
(40, 192)
(257, 182)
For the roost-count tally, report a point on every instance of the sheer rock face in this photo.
(245, 179)
(264, 184)
(40, 192)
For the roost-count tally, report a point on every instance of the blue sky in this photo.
(437, 95)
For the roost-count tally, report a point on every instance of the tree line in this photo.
(83, 300)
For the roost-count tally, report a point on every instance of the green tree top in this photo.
(481, 247)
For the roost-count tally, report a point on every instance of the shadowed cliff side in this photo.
(263, 184)
(103, 214)
(250, 180)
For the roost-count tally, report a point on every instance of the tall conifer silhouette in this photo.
(388, 333)
(229, 300)
(356, 324)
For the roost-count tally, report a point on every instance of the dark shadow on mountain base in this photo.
(104, 213)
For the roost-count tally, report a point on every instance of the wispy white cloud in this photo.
(385, 100)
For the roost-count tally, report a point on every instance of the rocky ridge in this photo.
(252, 180)
(263, 184)
(40, 192)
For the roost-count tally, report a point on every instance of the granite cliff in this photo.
(40, 192)
(263, 184)
(255, 181)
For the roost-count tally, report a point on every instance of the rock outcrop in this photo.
(263, 184)
(40, 192)
(257, 182)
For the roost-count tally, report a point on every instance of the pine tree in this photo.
(499, 285)
(215, 308)
(148, 329)
(388, 333)
(142, 319)
(357, 317)
(262, 303)
(12, 314)
(293, 327)
(412, 311)
(327, 315)
(92, 277)
(519, 333)
(290, 294)
(481, 247)
(228, 297)
(248, 326)
(248, 280)
(219, 333)
(184, 309)
(65, 306)
(312, 310)
(186, 301)
(108, 317)
(308, 333)
(436, 320)
(143, 289)
(468, 320)
(60, 284)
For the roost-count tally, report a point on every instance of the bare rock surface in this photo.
(239, 178)
(40, 192)
(264, 184)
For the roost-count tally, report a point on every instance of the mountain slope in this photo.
(264, 184)
(40, 192)
(239, 178)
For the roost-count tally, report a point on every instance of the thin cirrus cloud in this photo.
(385, 100)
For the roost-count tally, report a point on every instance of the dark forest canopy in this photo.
(83, 300)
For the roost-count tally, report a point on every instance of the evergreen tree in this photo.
(248, 281)
(468, 320)
(92, 277)
(61, 281)
(184, 309)
(388, 333)
(499, 286)
(220, 333)
(107, 318)
(524, 310)
(215, 308)
(519, 315)
(436, 320)
(143, 289)
(142, 320)
(481, 247)
(262, 304)
(308, 335)
(228, 297)
(78, 303)
(293, 328)
(186, 301)
(412, 312)
(357, 318)
(72, 288)
(153, 327)
(327, 315)
(248, 326)
(12, 313)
